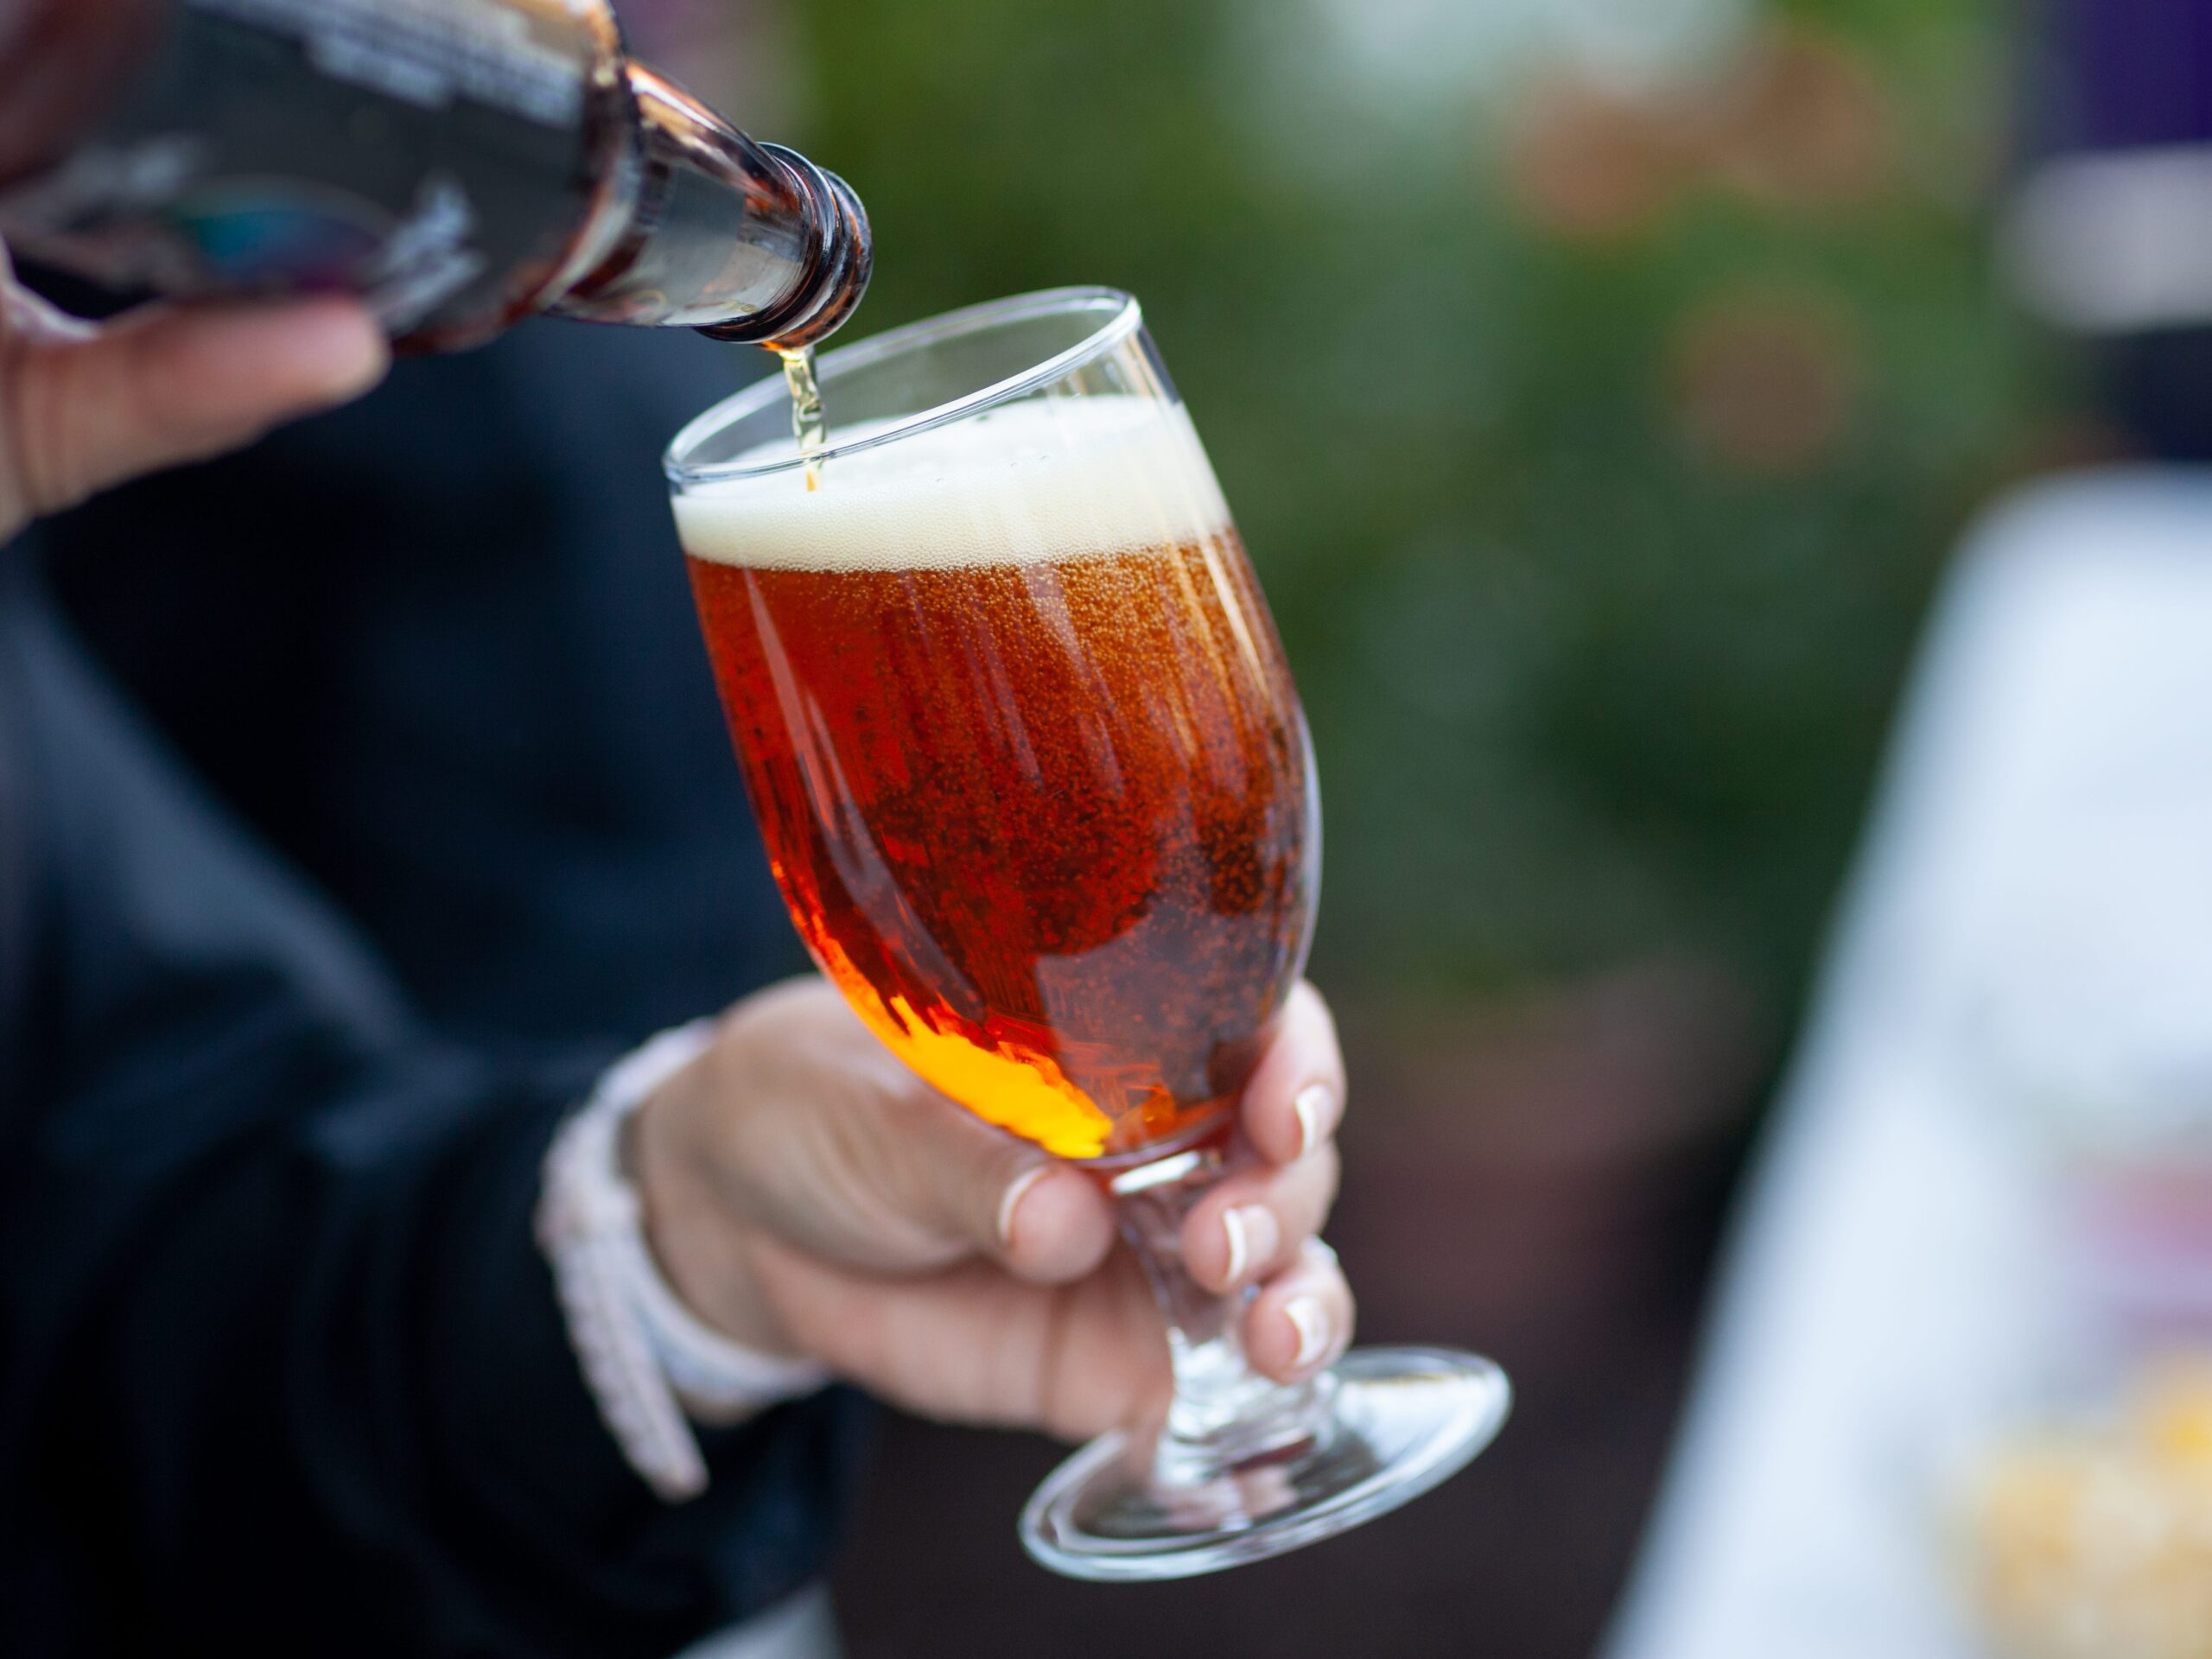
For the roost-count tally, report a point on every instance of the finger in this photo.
(1054, 1225)
(972, 1345)
(1302, 1318)
(1040, 1219)
(168, 386)
(1296, 1096)
(812, 1128)
(1253, 1224)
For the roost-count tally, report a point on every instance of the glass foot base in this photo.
(1400, 1421)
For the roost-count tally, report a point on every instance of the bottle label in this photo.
(429, 154)
(429, 52)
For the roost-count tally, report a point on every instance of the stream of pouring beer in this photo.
(808, 425)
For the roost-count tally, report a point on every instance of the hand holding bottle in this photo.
(84, 407)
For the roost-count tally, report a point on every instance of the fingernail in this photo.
(1016, 1191)
(1310, 1320)
(1316, 1108)
(1253, 1236)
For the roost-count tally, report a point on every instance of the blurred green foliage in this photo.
(1599, 547)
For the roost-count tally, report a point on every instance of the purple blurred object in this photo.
(2131, 72)
(2108, 235)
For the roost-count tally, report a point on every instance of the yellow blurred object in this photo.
(2096, 1542)
(2179, 1411)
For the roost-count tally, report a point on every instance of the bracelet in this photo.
(652, 1366)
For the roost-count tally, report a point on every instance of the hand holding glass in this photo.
(1034, 781)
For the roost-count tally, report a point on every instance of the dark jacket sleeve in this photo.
(438, 649)
(280, 1366)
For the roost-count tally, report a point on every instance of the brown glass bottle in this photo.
(460, 163)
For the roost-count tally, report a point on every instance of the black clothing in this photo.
(440, 650)
(282, 1039)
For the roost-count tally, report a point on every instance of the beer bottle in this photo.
(461, 164)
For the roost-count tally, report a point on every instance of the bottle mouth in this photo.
(743, 240)
(837, 268)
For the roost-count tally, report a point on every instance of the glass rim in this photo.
(1126, 317)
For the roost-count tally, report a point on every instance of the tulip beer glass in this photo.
(1035, 783)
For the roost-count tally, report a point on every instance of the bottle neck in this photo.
(712, 231)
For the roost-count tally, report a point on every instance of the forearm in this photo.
(278, 1355)
(325, 1396)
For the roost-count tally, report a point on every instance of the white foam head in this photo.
(1046, 479)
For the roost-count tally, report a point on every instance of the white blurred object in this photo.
(2116, 241)
(1401, 45)
(2097, 1010)
(1380, 72)
(1896, 1280)
(801, 1628)
(2094, 1020)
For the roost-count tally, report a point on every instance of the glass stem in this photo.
(1224, 1413)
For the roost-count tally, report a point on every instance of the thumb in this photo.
(164, 386)
(1041, 1219)
(806, 1126)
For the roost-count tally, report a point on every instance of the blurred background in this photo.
(1601, 386)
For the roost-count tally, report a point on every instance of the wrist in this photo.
(703, 1247)
(650, 1361)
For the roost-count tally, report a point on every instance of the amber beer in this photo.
(1028, 760)
(1030, 769)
